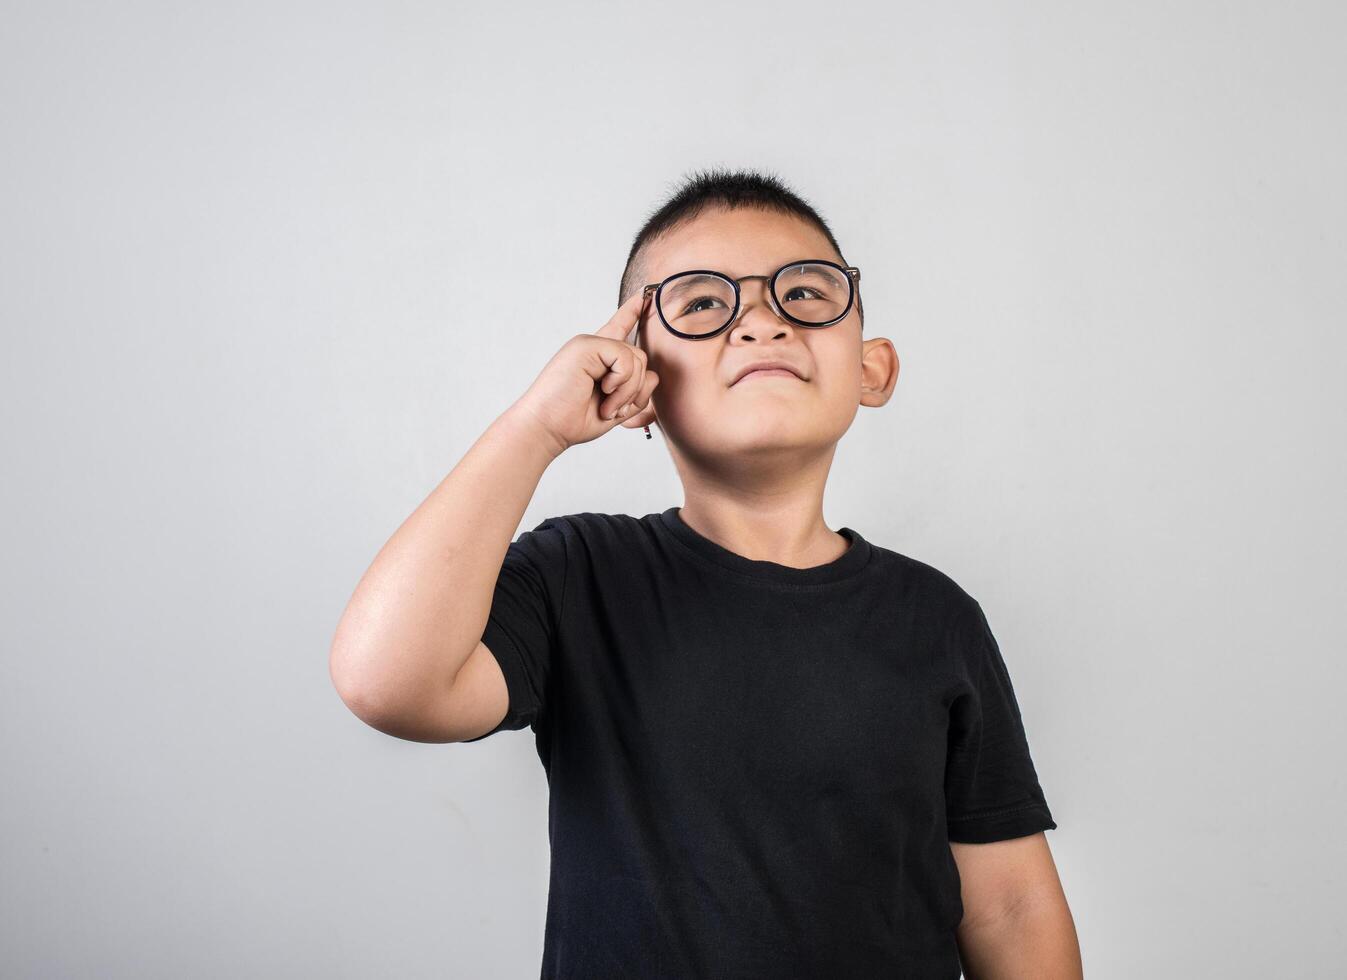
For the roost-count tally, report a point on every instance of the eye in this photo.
(805, 289)
(695, 307)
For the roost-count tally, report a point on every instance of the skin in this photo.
(754, 459)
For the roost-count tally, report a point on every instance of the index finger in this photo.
(621, 323)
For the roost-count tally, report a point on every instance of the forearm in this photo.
(1037, 943)
(419, 610)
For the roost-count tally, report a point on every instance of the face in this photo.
(703, 411)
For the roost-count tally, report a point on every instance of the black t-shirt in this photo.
(755, 770)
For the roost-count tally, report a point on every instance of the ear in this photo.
(879, 371)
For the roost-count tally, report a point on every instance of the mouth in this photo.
(767, 369)
(770, 373)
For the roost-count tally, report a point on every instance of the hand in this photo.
(596, 381)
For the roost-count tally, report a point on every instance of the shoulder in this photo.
(594, 531)
(944, 613)
(936, 591)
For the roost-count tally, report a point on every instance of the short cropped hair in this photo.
(717, 187)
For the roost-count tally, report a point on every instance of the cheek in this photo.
(685, 378)
(839, 381)
(839, 369)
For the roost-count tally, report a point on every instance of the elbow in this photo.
(374, 689)
(356, 683)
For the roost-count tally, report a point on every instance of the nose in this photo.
(757, 314)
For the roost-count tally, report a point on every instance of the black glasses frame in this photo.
(851, 272)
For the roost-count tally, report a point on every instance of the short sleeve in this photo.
(521, 630)
(991, 787)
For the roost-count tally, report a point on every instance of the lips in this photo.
(776, 367)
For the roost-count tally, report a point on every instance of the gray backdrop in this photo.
(267, 270)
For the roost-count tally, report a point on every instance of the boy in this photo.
(773, 750)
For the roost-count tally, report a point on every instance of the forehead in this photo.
(742, 242)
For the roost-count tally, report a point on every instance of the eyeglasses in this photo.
(700, 303)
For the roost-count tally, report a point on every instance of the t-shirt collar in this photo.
(844, 566)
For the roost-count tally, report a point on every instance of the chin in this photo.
(761, 436)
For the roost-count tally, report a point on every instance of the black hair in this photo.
(718, 187)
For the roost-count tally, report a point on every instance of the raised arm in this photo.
(407, 657)
(417, 615)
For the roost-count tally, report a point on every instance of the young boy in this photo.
(773, 749)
